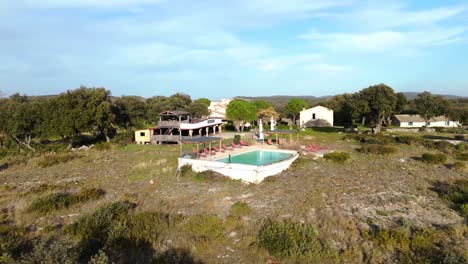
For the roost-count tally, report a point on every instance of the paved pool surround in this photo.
(244, 172)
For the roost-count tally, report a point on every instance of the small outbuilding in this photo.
(417, 121)
(318, 116)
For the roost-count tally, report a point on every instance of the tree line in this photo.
(84, 110)
(93, 110)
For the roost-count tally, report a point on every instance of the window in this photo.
(142, 134)
(428, 124)
(410, 123)
(313, 116)
(447, 123)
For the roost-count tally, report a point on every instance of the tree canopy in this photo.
(294, 106)
(240, 112)
(429, 106)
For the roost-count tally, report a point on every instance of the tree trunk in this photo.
(378, 125)
(363, 121)
(26, 142)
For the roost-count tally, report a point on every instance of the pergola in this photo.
(283, 132)
(199, 140)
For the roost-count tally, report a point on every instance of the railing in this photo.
(169, 123)
(167, 138)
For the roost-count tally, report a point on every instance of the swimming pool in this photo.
(257, 157)
(249, 166)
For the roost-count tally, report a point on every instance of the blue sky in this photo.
(219, 49)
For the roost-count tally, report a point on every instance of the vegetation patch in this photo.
(408, 246)
(203, 229)
(57, 201)
(442, 145)
(377, 149)
(297, 241)
(459, 165)
(462, 156)
(378, 139)
(102, 146)
(240, 209)
(53, 158)
(430, 158)
(456, 194)
(338, 157)
(12, 240)
(410, 140)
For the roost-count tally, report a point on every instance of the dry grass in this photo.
(341, 200)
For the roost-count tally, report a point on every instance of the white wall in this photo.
(432, 124)
(320, 113)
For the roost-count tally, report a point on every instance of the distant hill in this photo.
(412, 95)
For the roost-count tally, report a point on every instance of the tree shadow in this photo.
(416, 158)
(4, 166)
(326, 129)
(177, 256)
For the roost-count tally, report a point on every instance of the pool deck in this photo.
(226, 153)
(244, 172)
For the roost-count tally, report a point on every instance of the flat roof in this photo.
(281, 131)
(200, 139)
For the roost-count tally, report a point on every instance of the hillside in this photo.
(367, 210)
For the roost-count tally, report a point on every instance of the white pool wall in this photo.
(246, 173)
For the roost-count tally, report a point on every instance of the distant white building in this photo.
(418, 121)
(218, 108)
(316, 116)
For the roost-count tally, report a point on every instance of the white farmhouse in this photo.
(316, 116)
(218, 108)
(418, 121)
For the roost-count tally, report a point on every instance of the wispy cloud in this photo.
(385, 41)
(84, 3)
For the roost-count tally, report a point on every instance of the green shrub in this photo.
(43, 188)
(430, 158)
(464, 210)
(50, 251)
(459, 165)
(51, 202)
(185, 170)
(408, 246)
(98, 224)
(440, 129)
(377, 149)
(204, 228)
(237, 138)
(455, 193)
(56, 201)
(99, 258)
(239, 209)
(52, 158)
(338, 157)
(462, 156)
(12, 239)
(409, 140)
(461, 146)
(443, 146)
(301, 241)
(102, 146)
(124, 138)
(371, 139)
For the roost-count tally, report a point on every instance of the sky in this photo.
(220, 49)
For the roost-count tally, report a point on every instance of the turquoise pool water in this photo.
(258, 157)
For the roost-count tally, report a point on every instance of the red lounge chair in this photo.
(199, 154)
(235, 146)
(243, 144)
(207, 152)
(218, 149)
(227, 148)
(269, 141)
(313, 148)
